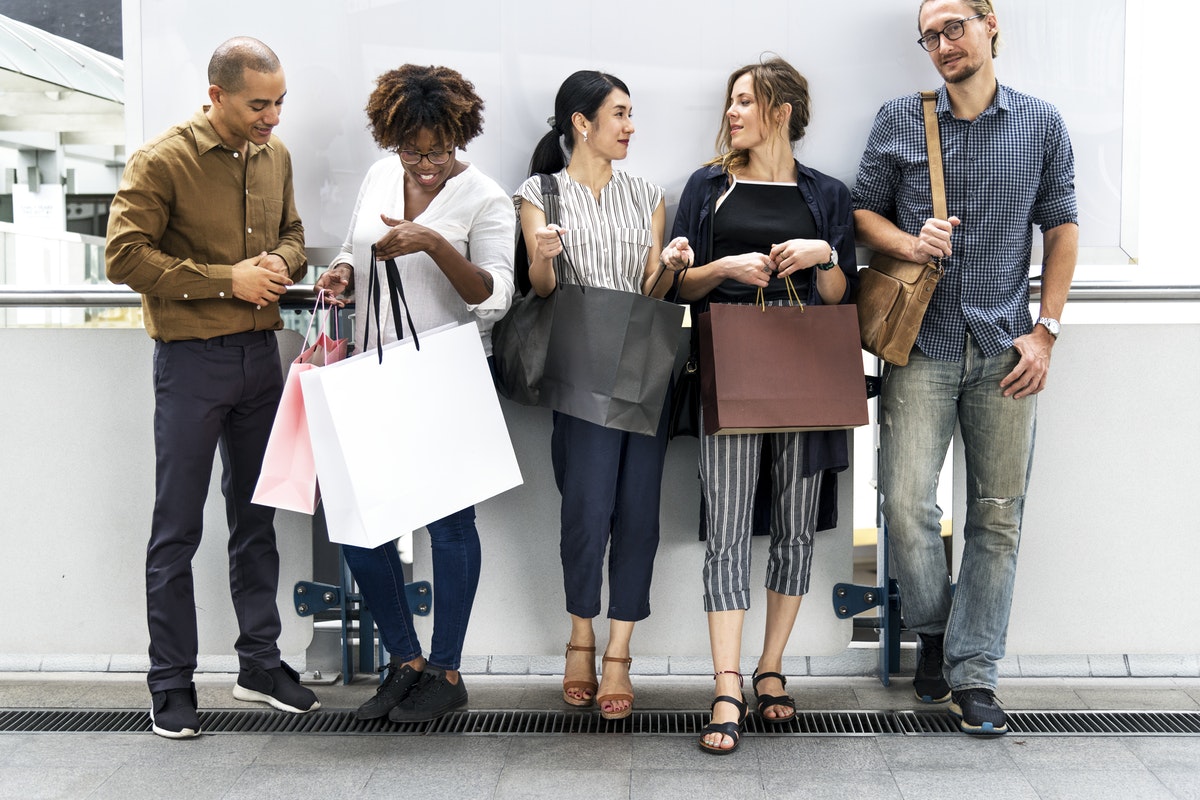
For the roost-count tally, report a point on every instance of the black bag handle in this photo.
(550, 201)
(397, 299)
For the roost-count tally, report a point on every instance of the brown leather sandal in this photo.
(588, 687)
(613, 698)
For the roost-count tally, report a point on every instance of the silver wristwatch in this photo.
(1050, 324)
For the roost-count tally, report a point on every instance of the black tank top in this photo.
(752, 218)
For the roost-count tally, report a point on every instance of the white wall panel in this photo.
(675, 55)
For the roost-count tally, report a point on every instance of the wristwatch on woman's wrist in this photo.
(833, 259)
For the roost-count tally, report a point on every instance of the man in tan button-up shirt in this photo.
(205, 227)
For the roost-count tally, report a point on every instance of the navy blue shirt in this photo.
(829, 201)
(827, 198)
(1009, 169)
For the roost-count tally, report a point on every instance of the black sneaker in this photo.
(978, 712)
(929, 682)
(280, 687)
(173, 713)
(431, 697)
(395, 687)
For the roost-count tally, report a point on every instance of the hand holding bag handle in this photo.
(893, 294)
(396, 295)
(287, 477)
(552, 210)
(520, 339)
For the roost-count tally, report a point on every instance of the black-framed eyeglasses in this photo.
(435, 157)
(955, 30)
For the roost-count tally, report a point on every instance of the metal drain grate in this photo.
(683, 723)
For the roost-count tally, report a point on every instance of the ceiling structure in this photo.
(51, 85)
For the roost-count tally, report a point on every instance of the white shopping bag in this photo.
(405, 442)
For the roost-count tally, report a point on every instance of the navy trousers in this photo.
(610, 482)
(217, 393)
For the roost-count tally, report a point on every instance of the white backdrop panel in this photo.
(675, 55)
(77, 478)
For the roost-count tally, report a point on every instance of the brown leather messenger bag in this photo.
(894, 294)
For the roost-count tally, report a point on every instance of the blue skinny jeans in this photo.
(456, 565)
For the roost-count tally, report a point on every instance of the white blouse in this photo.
(608, 239)
(474, 215)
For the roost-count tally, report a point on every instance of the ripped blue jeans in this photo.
(920, 405)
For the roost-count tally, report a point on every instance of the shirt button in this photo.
(185, 297)
(249, 230)
(220, 294)
(235, 155)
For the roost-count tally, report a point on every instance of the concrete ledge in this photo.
(81, 662)
(858, 660)
(1054, 666)
(1174, 666)
(1108, 666)
(855, 661)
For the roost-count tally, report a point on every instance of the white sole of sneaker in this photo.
(924, 698)
(986, 729)
(186, 733)
(250, 696)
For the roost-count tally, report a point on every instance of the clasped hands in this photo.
(754, 269)
(261, 279)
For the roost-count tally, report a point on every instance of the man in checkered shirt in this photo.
(980, 359)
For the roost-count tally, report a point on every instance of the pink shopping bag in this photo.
(288, 478)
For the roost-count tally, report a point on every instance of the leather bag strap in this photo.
(933, 142)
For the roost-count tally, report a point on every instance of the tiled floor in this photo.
(131, 766)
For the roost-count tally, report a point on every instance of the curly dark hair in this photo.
(412, 98)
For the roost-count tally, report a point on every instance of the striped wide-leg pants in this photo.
(729, 467)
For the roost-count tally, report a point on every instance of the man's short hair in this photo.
(232, 57)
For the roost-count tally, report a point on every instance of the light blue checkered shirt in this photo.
(1007, 170)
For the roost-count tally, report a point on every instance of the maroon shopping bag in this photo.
(781, 368)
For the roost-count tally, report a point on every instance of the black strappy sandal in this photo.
(731, 729)
(766, 701)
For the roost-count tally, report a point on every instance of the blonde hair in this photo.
(983, 7)
(776, 83)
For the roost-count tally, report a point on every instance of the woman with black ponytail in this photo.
(611, 225)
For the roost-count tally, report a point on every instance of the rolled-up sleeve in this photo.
(878, 172)
(491, 243)
(1056, 202)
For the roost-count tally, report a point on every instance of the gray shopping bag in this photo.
(610, 357)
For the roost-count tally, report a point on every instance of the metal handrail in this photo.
(1101, 291)
(299, 296)
(106, 296)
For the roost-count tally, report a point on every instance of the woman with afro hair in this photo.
(451, 230)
